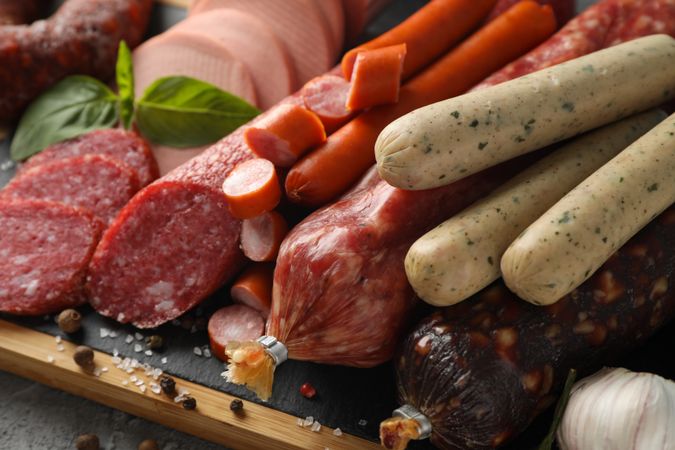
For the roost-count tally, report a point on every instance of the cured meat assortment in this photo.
(44, 251)
(80, 38)
(94, 182)
(126, 147)
(481, 371)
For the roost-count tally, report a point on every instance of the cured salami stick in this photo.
(178, 232)
(80, 38)
(479, 372)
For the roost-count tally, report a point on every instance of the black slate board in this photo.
(355, 400)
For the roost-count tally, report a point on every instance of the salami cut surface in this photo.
(233, 323)
(95, 182)
(123, 146)
(44, 251)
(480, 371)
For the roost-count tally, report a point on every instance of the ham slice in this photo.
(334, 18)
(251, 41)
(193, 55)
(298, 23)
(357, 15)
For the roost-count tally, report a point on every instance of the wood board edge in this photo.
(26, 352)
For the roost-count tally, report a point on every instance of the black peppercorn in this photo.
(168, 385)
(189, 403)
(69, 321)
(154, 342)
(87, 442)
(236, 405)
(148, 444)
(84, 357)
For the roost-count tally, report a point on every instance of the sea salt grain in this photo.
(164, 360)
(299, 422)
(115, 352)
(104, 332)
(58, 339)
(50, 359)
(148, 353)
(113, 334)
(197, 351)
(138, 336)
(207, 352)
(60, 347)
(129, 339)
(104, 369)
(155, 388)
(308, 421)
(7, 165)
(125, 382)
(143, 388)
(337, 432)
(138, 348)
(316, 427)
(116, 360)
(133, 378)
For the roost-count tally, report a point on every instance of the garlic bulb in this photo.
(616, 409)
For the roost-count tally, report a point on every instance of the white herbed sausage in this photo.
(443, 142)
(566, 245)
(461, 256)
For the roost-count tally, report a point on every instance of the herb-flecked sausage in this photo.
(480, 371)
(80, 38)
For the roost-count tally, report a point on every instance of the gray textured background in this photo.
(35, 417)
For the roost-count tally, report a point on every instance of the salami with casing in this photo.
(481, 371)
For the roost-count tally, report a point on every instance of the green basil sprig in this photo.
(175, 111)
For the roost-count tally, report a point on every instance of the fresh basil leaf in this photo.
(125, 84)
(184, 112)
(547, 443)
(74, 106)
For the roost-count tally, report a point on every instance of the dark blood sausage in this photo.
(123, 146)
(94, 182)
(564, 9)
(44, 251)
(16, 12)
(607, 23)
(233, 323)
(80, 38)
(481, 371)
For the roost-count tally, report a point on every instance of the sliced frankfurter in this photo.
(252, 188)
(189, 54)
(334, 14)
(233, 323)
(326, 96)
(261, 236)
(251, 41)
(298, 23)
(376, 79)
(253, 288)
(285, 135)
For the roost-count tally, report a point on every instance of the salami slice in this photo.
(94, 182)
(123, 146)
(44, 251)
(233, 323)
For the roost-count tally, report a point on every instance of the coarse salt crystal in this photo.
(130, 370)
(6, 165)
(299, 422)
(116, 360)
(308, 421)
(133, 378)
(129, 339)
(155, 388)
(337, 432)
(157, 372)
(316, 427)
(115, 352)
(207, 352)
(58, 339)
(139, 383)
(148, 353)
(104, 369)
(178, 398)
(164, 360)
(50, 359)
(97, 372)
(104, 332)
(197, 351)
(60, 347)
(125, 382)
(138, 336)
(138, 348)
(113, 334)
(142, 388)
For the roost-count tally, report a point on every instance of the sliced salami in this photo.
(233, 323)
(95, 182)
(44, 251)
(123, 146)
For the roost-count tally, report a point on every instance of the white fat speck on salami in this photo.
(46, 247)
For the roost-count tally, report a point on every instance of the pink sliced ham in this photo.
(251, 41)
(193, 55)
(298, 23)
(358, 13)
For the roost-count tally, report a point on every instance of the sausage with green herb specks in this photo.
(461, 256)
(566, 245)
(441, 143)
